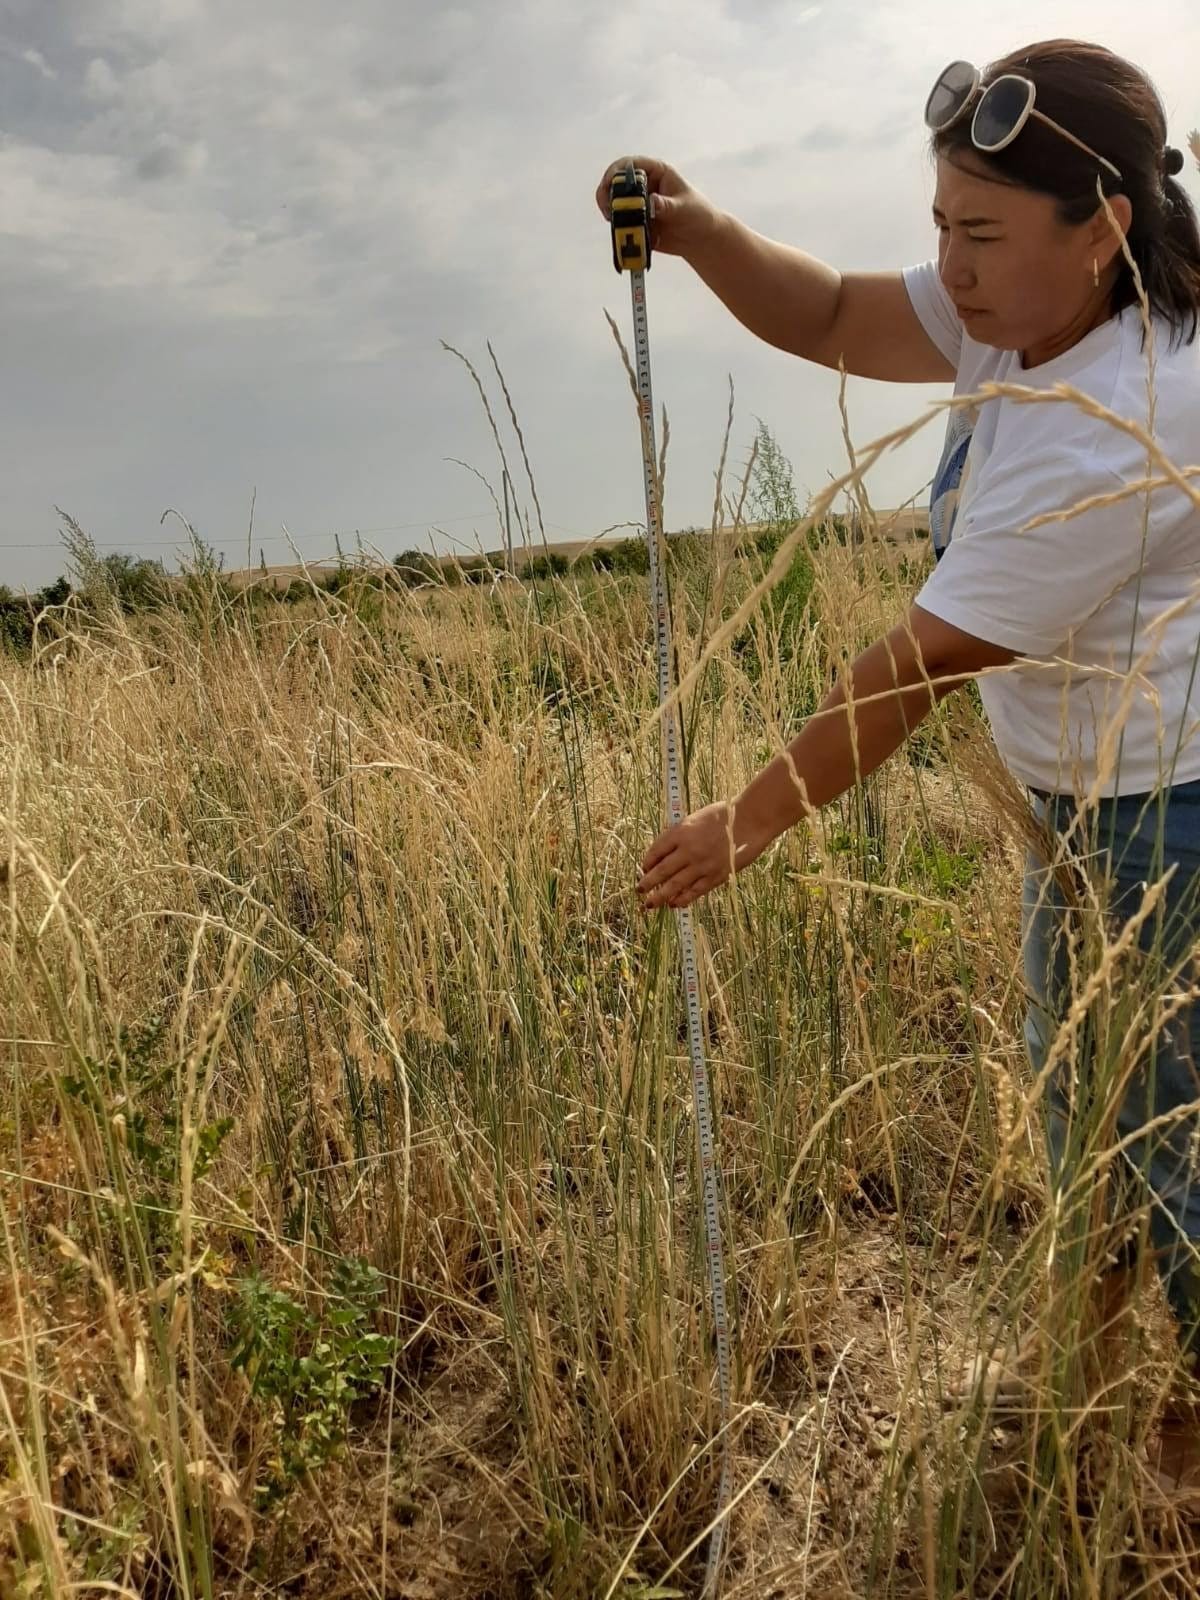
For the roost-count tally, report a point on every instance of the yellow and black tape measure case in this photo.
(630, 221)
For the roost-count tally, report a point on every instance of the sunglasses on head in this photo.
(1004, 108)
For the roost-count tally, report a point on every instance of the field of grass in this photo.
(346, 1145)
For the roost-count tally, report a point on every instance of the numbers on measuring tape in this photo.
(630, 210)
(709, 1170)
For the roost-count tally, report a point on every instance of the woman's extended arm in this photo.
(865, 718)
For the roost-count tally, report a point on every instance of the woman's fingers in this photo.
(647, 164)
(687, 860)
(660, 855)
(679, 890)
(667, 872)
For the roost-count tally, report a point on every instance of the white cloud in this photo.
(73, 219)
(123, 20)
(99, 80)
(37, 60)
(172, 159)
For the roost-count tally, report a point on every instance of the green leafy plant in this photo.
(773, 501)
(309, 1371)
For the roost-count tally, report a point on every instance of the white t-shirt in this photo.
(1065, 596)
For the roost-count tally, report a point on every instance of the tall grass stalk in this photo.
(347, 1153)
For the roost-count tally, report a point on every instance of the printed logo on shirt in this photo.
(950, 478)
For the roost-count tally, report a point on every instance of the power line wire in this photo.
(269, 538)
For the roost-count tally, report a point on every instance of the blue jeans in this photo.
(1122, 844)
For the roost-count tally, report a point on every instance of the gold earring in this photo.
(1095, 272)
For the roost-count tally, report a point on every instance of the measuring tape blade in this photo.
(633, 254)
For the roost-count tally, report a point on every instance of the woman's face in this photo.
(1020, 277)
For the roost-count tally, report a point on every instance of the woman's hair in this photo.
(1111, 105)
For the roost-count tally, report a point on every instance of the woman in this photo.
(1031, 286)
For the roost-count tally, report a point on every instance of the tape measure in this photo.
(631, 253)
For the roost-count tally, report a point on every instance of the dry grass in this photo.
(373, 877)
(347, 1151)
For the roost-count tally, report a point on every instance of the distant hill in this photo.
(897, 527)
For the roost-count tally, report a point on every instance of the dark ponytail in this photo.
(1171, 273)
(1111, 105)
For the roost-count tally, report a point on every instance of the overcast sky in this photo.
(232, 236)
